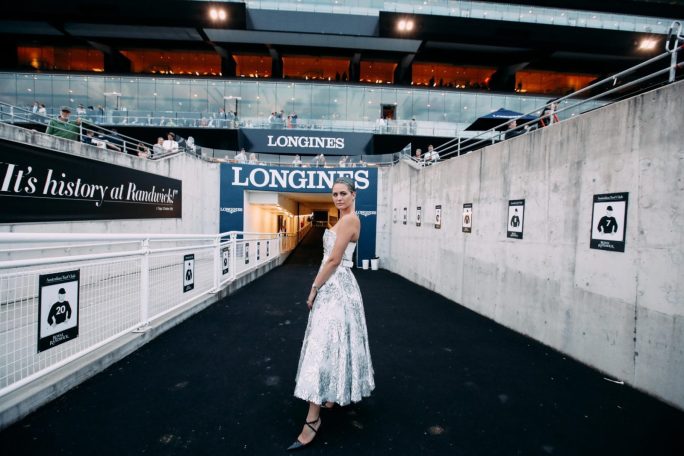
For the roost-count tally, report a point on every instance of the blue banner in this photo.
(236, 178)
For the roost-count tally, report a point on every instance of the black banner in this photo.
(40, 185)
(305, 142)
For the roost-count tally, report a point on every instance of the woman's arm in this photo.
(347, 228)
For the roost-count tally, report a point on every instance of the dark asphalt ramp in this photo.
(449, 382)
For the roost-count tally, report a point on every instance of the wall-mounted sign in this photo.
(438, 216)
(405, 216)
(516, 217)
(394, 215)
(238, 178)
(305, 142)
(58, 308)
(609, 222)
(258, 250)
(225, 260)
(188, 272)
(246, 252)
(418, 216)
(268, 248)
(40, 185)
(467, 217)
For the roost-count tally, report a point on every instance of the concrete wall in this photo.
(622, 313)
(200, 189)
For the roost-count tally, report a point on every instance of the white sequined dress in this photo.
(335, 363)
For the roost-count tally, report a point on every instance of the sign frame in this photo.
(606, 203)
(467, 218)
(188, 272)
(50, 285)
(515, 218)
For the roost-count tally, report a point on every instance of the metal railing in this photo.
(617, 84)
(81, 130)
(125, 282)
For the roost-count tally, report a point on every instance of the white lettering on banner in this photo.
(366, 213)
(296, 179)
(231, 210)
(306, 142)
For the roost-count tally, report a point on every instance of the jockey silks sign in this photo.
(305, 142)
(235, 179)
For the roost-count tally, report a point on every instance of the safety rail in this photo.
(118, 284)
(616, 83)
(82, 130)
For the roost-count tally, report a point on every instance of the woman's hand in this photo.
(310, 300)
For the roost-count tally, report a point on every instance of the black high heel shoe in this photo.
(297, 445)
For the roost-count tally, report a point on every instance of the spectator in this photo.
(419, 156)
(35, 107)
(62, 127)
(413, 126)
(549, 115)
(241, 157)
(190, 146)
(293, 118)
(88, 137)
(142, 151)
(158, 148)
(222, 118)
(380, 125)
(297, 161)
(100, 114)
(170, 145)
(115, 141)
(432, 156)
(253, 159)
(42, 113)
(343, 161)
(80, 111)
(512, 131)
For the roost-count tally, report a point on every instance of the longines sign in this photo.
(307, 142)
(284, 179)
(236, 179)
(314, 142)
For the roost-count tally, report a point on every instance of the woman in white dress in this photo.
(335, 364)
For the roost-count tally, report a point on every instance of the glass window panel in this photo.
(356, 101)
(215, 96)
(302, 103)
(468, 111)
(60, 92)
(320, 101)
(96, 90)
(248, 107)
(146, 97)
(164, 97)
(404, 105)
(338, 102)
(199, 97)
(21, 90)
(268, 102)
(452, 107)
(436, 112)
(372, 105)
(285, 99)
(420, 104)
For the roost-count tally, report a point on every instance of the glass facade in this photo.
(476, 10)
(147, 100)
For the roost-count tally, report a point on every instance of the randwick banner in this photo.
(40, 185)
(305, 142)
(235, 179)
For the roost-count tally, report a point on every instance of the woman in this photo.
(335, 364)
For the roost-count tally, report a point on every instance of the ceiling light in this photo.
(648, 44)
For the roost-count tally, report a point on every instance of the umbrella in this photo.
(497, 118)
